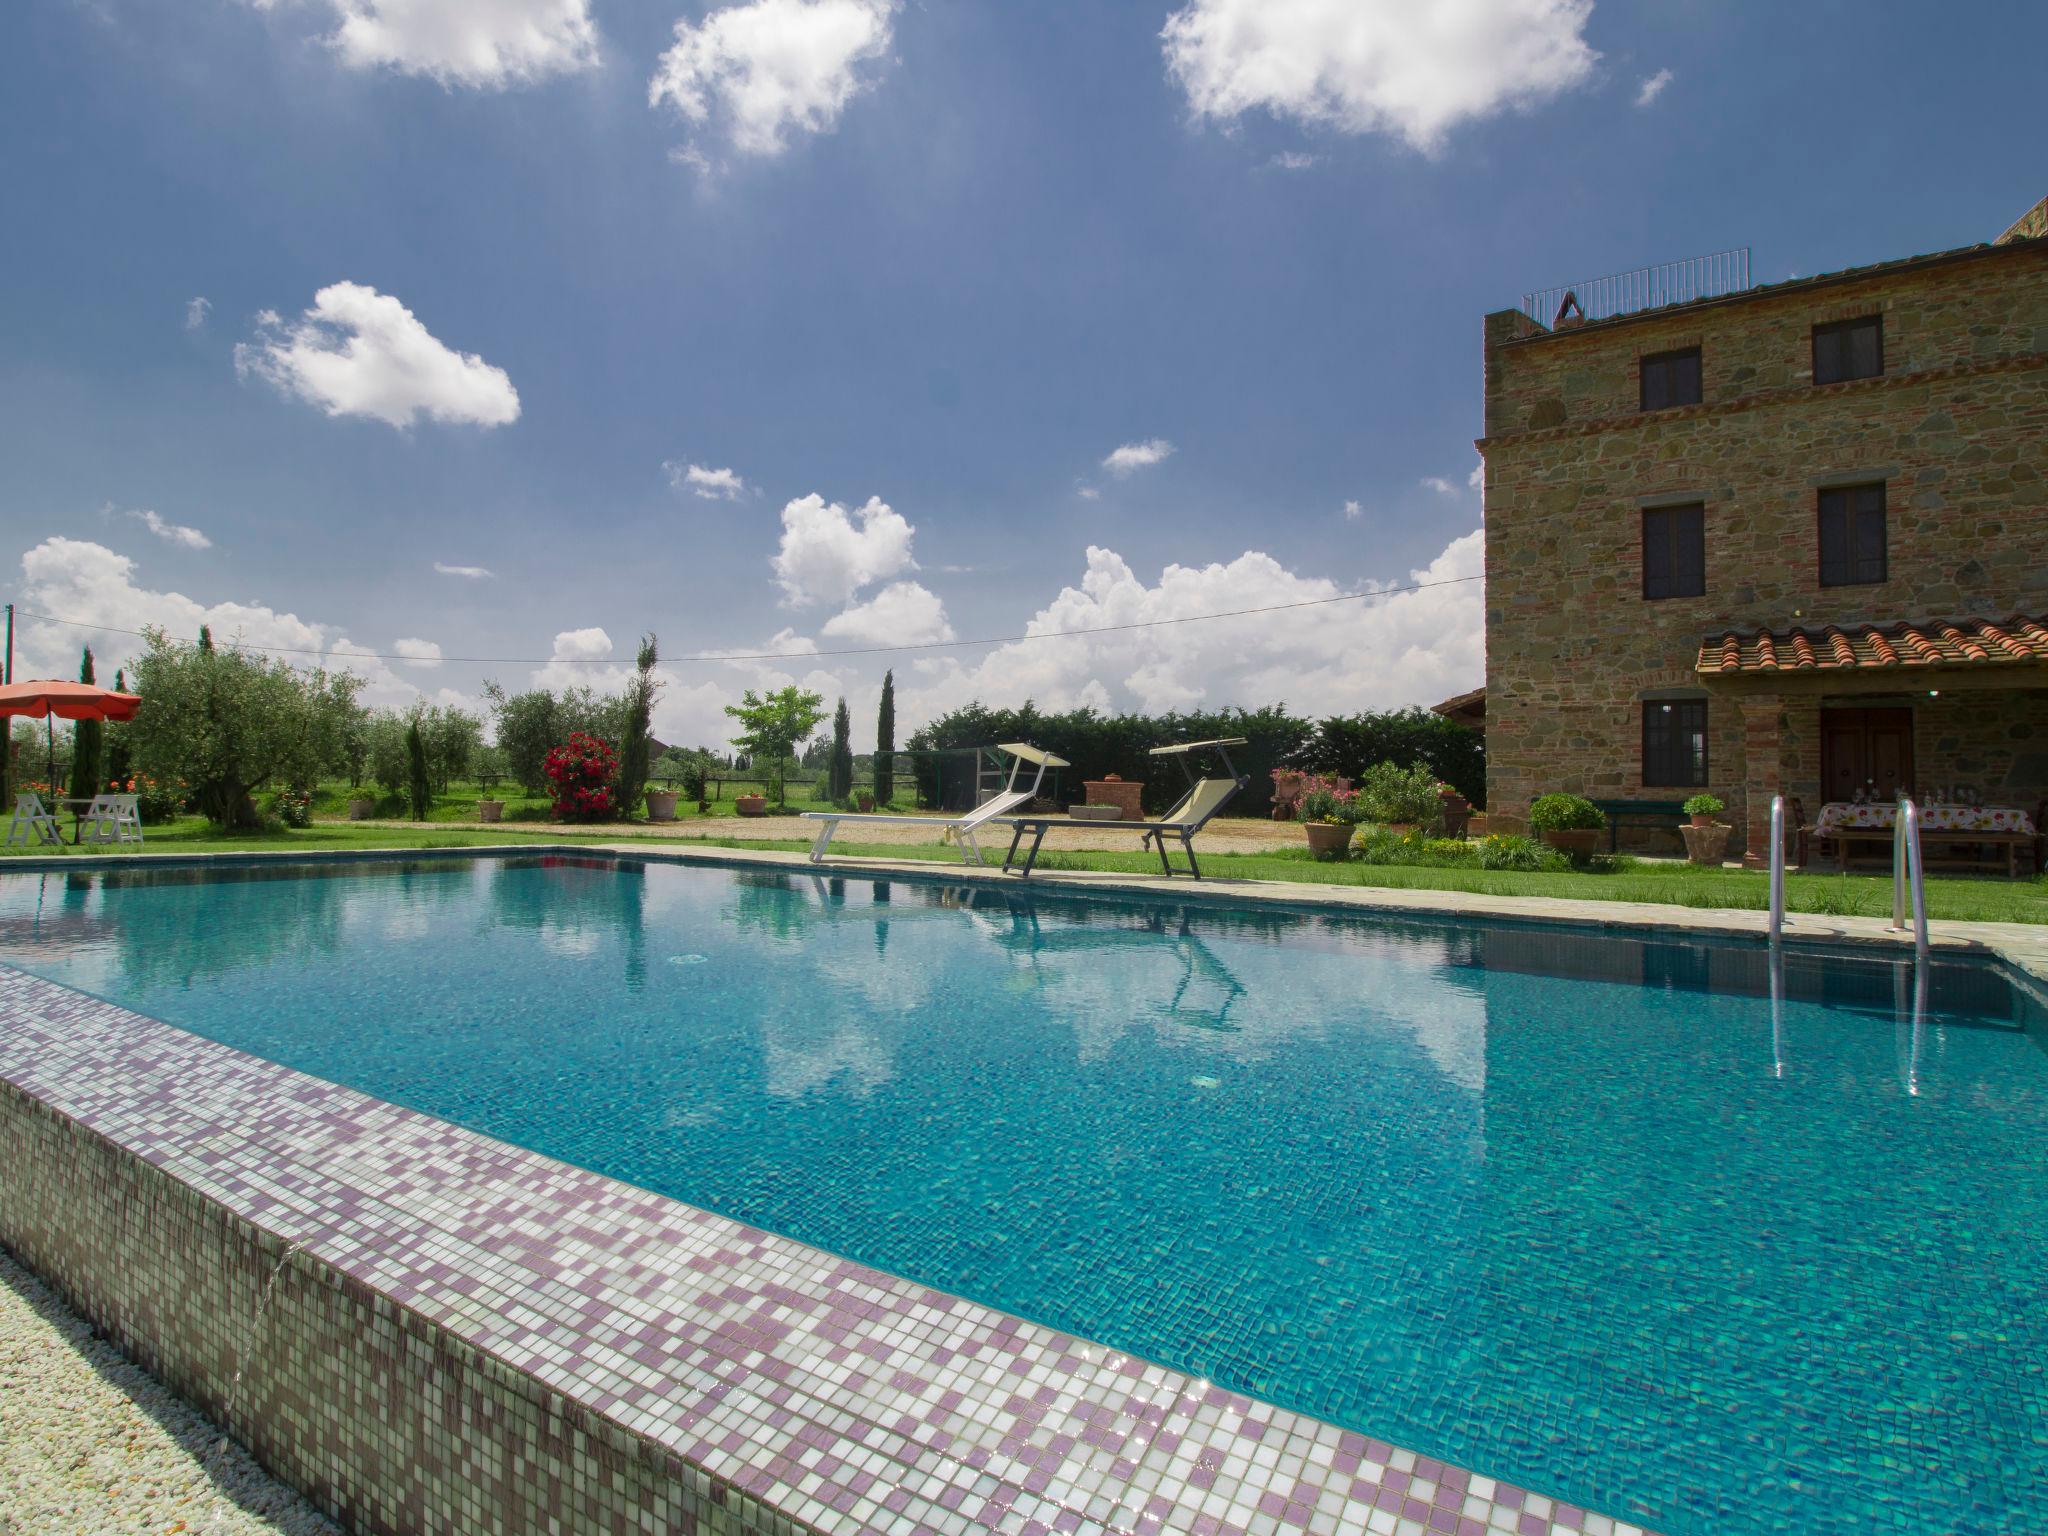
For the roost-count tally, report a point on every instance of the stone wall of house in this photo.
(1957, 428)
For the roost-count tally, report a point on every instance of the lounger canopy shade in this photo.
(1198, 746)
(1030, 754)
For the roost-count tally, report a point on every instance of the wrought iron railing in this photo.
(1622, 293)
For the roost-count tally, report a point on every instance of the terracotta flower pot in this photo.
(865, 802)
(490, 810)
(661, 805)
(1703, 819)
(1706, 844)
(1574, 842)
(751, 805)
(1328, 839)
(361, 810)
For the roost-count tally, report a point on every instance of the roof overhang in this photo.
(1862, 657)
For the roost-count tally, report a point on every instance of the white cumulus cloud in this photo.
(710, 484)
(761, 71)
(418, 653)
(1293, 160)
(1652, 87)
(94, 586)
(170, 532)
(1136, 456)
(1354, 510)
(484, 43)
(358, 352)
(466, 572)
(828, 554)
(196, 311)
(1376, 66)
(902, 613)
(1410, 647)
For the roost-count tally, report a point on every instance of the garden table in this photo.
(1996, 826)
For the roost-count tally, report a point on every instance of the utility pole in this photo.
(9, 677)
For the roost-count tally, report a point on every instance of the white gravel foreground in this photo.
(93, 1445)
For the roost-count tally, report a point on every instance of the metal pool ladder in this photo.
(1908, 870)
(1777, 868)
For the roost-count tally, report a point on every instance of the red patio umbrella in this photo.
(54, 700)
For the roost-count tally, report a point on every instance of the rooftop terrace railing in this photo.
(1674, 282)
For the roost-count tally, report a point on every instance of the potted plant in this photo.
(750, 805)
(661, 805)
(1453, 809)
(1329, 819)
(361, 807)
(1569, 823)
(1703, 809)
(490, 810)
(865, 801)
(1706, 840)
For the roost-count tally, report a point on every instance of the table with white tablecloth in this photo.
(2003, 827)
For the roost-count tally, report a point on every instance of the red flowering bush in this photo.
(583, 779)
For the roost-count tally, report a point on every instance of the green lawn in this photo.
(1951, 898)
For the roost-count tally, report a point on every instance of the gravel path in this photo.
(92, 1445)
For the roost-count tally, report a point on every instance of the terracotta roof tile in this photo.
(1866, 647)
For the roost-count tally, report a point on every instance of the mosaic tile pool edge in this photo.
(456, 1334)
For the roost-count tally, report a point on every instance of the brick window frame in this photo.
(1851, 348)
(1669, 379)
(1676, 744)
(1852, 535)
(1674, 550)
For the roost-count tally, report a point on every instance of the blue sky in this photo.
(473, 300)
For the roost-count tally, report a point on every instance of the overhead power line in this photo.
(855, 650)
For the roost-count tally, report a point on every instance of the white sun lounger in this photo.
(1197, 808)
(961, 829)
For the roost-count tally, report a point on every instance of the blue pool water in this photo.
(1582, 1212)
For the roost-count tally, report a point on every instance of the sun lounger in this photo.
(31, 824)
(1205, 797)
(960, 829)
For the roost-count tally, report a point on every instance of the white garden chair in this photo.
(31, 824)
(112, 819)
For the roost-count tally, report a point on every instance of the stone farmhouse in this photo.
(1779, 539)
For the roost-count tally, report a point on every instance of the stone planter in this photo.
(361, 810)
(1705, 844)
(1328, 839)
(865, 802)
(1122, 793)
(1456, 812)
(661, 805)
(490, 810)
(1574, 842)
(751, 805)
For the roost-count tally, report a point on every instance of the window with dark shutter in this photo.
(1671, 378)
(1675, 551)
(1674, 743)
(1848, 349)
(1852, 536)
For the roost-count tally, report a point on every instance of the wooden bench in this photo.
(1640, 812)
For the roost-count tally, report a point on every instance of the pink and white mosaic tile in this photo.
(776, 1387)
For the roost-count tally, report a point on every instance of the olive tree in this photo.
(227, 723)
(772, 724)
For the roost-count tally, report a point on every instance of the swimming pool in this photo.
(1583, 1211)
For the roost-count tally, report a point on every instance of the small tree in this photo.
(116, 765)
(528, 726)
(86, 736)
(771, 725)
(419, 786)
(226, 723)
(839, 765)
(885, 742)
(640, 696)
(387, 757)
(452, 737)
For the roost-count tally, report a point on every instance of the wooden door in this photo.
(1866, 749)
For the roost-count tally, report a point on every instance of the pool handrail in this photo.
(1908, 871)
(1777, 867)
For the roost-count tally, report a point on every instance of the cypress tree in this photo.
(640, 695)
(885, 742)
(206, 638)
(85, 744)
(839, 766)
